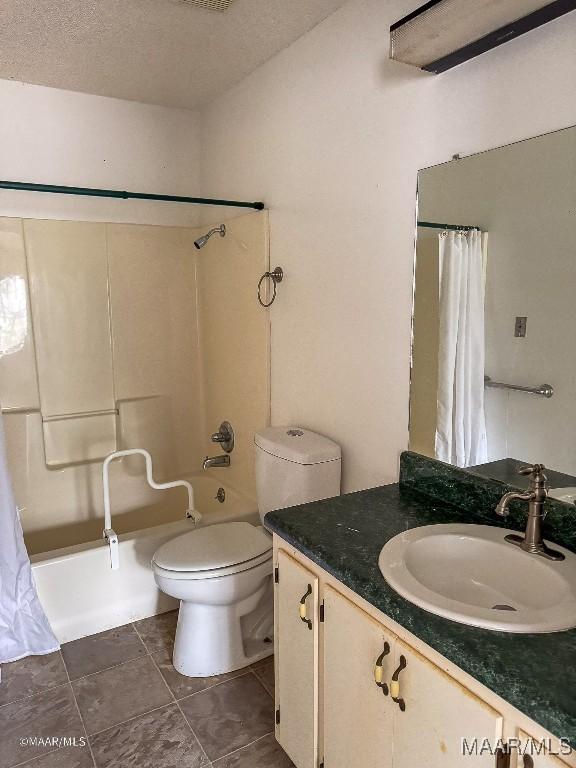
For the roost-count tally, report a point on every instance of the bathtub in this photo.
(82, 595)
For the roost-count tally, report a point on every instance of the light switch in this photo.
(520, 327)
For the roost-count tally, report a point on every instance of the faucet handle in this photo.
(535, 469)
(224, 436)
(537, 477)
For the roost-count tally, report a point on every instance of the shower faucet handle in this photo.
(224, 436)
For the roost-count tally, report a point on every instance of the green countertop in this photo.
(344, 536)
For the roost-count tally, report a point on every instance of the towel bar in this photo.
(544, 390)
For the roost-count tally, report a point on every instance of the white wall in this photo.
(59, 137)
(331, 134)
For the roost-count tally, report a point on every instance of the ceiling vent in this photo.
(443, 33)
(211, 5)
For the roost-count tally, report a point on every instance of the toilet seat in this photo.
(213, 551)
(231, 570)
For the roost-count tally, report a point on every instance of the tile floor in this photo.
(114, 700)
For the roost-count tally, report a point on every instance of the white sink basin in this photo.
(468, 573)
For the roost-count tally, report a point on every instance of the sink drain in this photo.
(503, 608)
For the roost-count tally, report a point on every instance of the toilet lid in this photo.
(215, 546)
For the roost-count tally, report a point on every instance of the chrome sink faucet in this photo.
(536, 495)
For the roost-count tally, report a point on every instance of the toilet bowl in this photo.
(222, 574)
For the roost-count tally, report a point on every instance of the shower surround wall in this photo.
(234, 342)
(123, 336)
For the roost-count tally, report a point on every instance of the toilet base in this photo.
(215, 639)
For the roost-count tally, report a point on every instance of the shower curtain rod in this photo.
(89, 192)
(433, 225)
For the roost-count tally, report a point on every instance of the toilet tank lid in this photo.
(298, 445)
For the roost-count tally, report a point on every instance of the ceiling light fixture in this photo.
(444, 33)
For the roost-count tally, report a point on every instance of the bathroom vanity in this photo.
(366, 678)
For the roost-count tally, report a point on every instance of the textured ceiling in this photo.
(165, 52)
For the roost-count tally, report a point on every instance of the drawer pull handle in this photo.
(303, 609)
(395, 685)
(379, 670)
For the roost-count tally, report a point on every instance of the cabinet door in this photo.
(433, 714)
(537, 757)
(297, 661)
(357, 712)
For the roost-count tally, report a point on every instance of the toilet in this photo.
(222, 573)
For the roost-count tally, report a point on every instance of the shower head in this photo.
(201, 242)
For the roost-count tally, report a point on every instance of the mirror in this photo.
(494, 324)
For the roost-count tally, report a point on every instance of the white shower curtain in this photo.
(24, 629)
(461, 422)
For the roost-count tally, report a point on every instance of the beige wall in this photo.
(235, 340)
(426, 320)
(331, 134)
(157, 365)
(114, 326)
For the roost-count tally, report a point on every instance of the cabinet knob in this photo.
(303, 608)
(395, 685)
(379, 670)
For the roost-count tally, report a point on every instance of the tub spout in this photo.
(216, 461)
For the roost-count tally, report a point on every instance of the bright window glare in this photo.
(13, 315)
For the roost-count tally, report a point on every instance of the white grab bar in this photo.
(109, 534)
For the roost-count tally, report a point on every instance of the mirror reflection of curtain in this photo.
(461, 423)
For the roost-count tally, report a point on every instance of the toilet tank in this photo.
(294, 466)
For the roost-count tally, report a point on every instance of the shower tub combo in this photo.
(82, 595)
(157, 335)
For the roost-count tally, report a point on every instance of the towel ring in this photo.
(277, 275)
